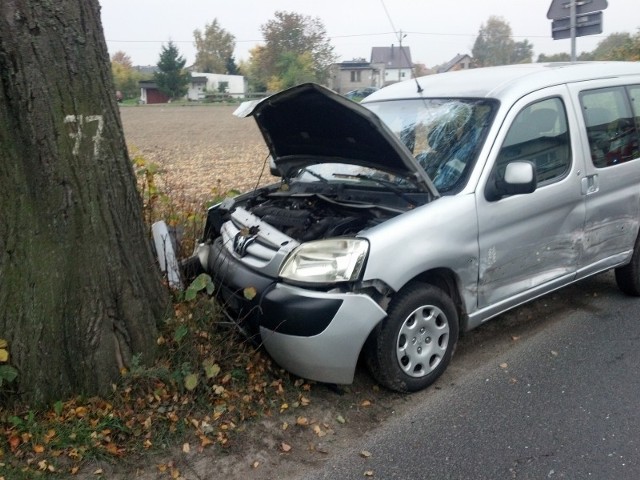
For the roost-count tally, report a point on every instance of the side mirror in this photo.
(519, 178)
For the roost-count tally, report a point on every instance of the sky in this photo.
(436, 30)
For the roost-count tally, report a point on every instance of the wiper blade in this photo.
(314, 174)
(380, 181)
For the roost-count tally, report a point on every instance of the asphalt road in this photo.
(562, 401)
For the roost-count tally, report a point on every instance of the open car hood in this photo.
(310, 124)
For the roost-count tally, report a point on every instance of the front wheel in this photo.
(628, 277)
(413, 345)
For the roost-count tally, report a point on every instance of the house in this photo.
(203, 84)
(387, 65)
(459, 62)
(351, 75)
(150, 93)
(197, 87)
(200, 85)
(392, 63)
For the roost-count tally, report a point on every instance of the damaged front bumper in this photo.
(314, 334)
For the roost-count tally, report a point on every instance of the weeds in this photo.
(206, 382)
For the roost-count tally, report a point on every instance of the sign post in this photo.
(575, 18)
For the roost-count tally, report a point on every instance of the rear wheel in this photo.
(628, 277)
(413, 346)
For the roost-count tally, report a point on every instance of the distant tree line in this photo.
(296, 49)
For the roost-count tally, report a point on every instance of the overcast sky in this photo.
(436, 30)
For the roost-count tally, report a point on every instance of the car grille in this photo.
(265, 250)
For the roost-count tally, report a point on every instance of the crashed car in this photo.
(432, 207)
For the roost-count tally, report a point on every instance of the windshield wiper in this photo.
(380, 181)
(314, 174)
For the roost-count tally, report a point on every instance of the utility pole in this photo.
(400, 37)
(572, 16)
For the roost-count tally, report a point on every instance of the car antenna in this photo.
(402, 52)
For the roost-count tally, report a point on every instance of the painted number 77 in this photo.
(79, 126)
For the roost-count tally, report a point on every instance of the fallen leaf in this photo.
(14, 442)
(340, 419)
(368, 473)
(191, 381)
(3, 343)
(504, 365)
(250, 293)
(554, 353)
(515, 338)
(285, 447)
(218, 389)
(38, 448)
(112, 448)
(255, 464)
(365, 403)
(4, 355)
(365, 454)
(302, 421)
(186, 448)
(211, 368)
(285, 425)
(98, 471)
(204, 441)
(304, 401)
(283, 407)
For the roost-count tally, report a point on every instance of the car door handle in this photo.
(590, 184)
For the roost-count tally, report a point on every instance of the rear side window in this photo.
(539, 134)
(611, 125)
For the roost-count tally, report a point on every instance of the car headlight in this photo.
(326, 261)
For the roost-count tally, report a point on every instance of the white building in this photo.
(203, 84)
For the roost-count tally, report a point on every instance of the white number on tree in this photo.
(80, 123)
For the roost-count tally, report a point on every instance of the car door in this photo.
(609, 112)
(531, 243)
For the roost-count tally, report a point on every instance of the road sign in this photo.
(586, 24)
(561, 8)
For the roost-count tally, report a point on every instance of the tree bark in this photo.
(80, 293)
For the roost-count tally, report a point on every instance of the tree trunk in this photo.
(79, 290)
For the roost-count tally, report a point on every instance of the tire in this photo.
(628, 277)
(413, 345)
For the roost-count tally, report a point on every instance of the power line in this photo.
(355, 35)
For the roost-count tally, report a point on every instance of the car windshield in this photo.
(444, 135)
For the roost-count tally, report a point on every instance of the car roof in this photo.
(502, 82)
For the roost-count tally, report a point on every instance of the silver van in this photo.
(433, 206)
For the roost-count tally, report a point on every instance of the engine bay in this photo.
(312, 211)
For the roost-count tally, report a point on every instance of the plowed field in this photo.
(202, 149)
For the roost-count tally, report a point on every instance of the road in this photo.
(561, 401)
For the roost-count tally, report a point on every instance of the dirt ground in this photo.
(203, 148)
(200, 148)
